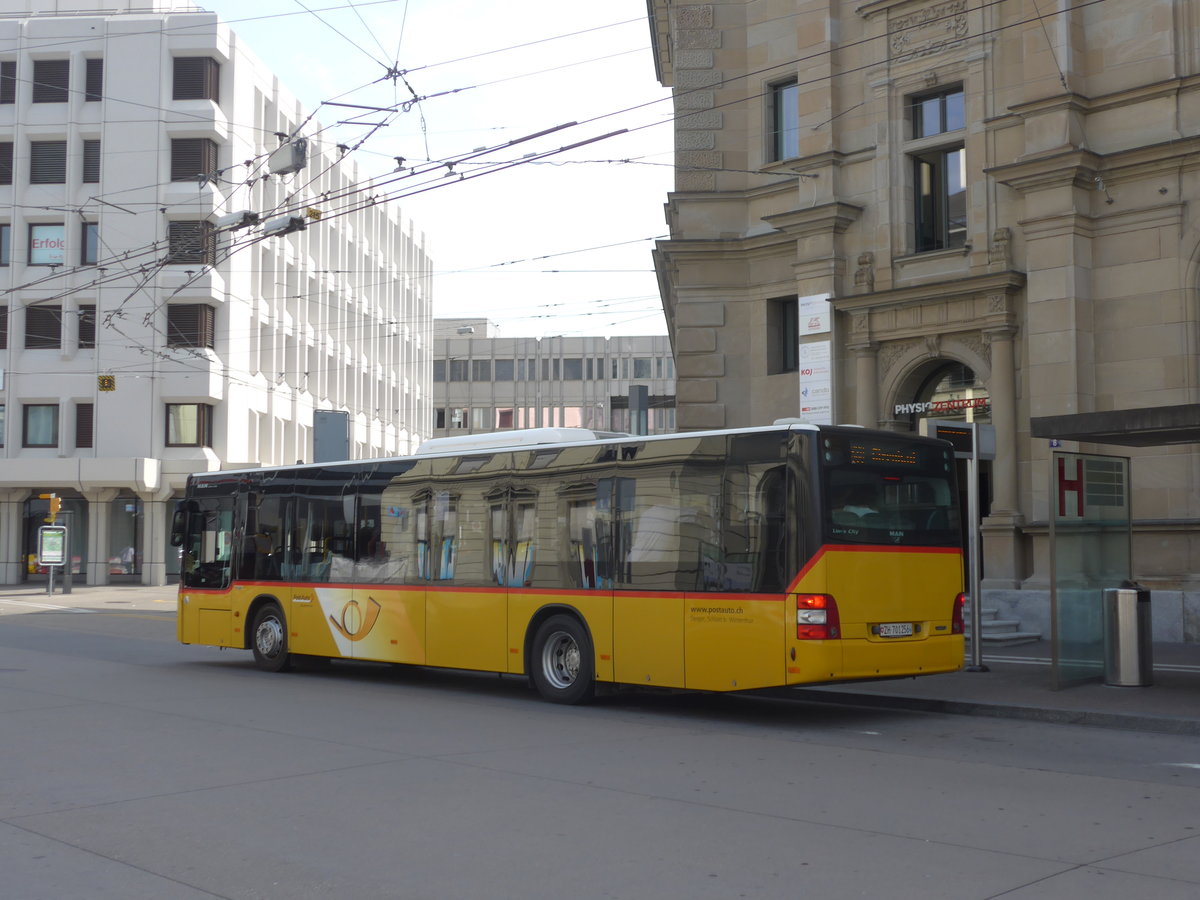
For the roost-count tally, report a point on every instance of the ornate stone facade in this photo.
(1066, 277)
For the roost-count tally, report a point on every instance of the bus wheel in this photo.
(563, 668)
(269, 638)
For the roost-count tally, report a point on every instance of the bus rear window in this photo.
(877, 491)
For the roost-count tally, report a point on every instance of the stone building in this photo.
(998, 201)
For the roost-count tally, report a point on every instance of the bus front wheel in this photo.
(562, 662)
(268, 636)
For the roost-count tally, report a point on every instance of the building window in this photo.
(1, 424)
(5, 244)
(51, 80)
(93, 88)
(191, 325)
(40, 425)
(785, 120)
(503, 370)
(193, 158)
(439, 418)
(481, 370)
(439, 370)
(940, 201)
(87, 326)
(8, 81)
(84, 417)
(91, 162)
(783, 335)
(458, 370)
(196, 78)
(3, 327)
(46, 245)
(937, 113)
(191, 242)
(89, 244)
(6, 162)
(939, 173)
(43, 327)
(47, 162)
(572, 369)
(642, 367)
(189, 425)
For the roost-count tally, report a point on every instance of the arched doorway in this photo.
(950, 390)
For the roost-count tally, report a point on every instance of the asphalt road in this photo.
(133, 767)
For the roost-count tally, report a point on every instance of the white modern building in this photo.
(189, 272)
(484, 382)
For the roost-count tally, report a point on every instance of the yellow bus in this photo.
(716, 561)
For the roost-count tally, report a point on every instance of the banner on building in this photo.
(816, 382)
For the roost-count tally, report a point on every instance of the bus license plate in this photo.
(896, 629)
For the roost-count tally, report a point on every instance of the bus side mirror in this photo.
(178, 523)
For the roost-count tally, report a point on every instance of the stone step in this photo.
(1009, 638)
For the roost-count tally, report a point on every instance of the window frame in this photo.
(204, 83)
(89, 243)
(188, 153)
(62, 251)
(48, 162)
(40, 332)
(51, 80)
(5, 244)
(783, 335)
(203, 238)
(93, 79)
(783, 120)
(199, 333)
(85, 426)
(6, 162)
(26, 410)
(8, 82)
(86, 332)
(202, 425)
(91, 161)
(936, 159)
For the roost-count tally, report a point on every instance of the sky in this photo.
(553, 246)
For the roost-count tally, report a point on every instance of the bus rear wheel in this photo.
(562, 661)
(268, 637)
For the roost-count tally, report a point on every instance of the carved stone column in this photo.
(1001, 541)
(866, 371)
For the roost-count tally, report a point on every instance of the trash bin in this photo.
(1128, 651)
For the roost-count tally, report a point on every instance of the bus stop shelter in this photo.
(1091, 527)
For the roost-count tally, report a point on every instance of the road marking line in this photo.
(30, 603)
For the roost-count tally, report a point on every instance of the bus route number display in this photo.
(52, 545)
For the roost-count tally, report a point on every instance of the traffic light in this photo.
(55, 506)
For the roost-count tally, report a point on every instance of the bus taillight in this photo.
(817, 617)
(956, 619)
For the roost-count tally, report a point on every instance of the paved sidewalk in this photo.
(1016, 685)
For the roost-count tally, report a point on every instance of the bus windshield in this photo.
(882, 491)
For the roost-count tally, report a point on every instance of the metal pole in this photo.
(49, 581)
(66, 584)
(973, 517)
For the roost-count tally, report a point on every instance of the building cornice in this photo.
(836, 216)
(1004, 283)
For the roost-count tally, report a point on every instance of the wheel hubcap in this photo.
(269, 637)
(560, 660)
